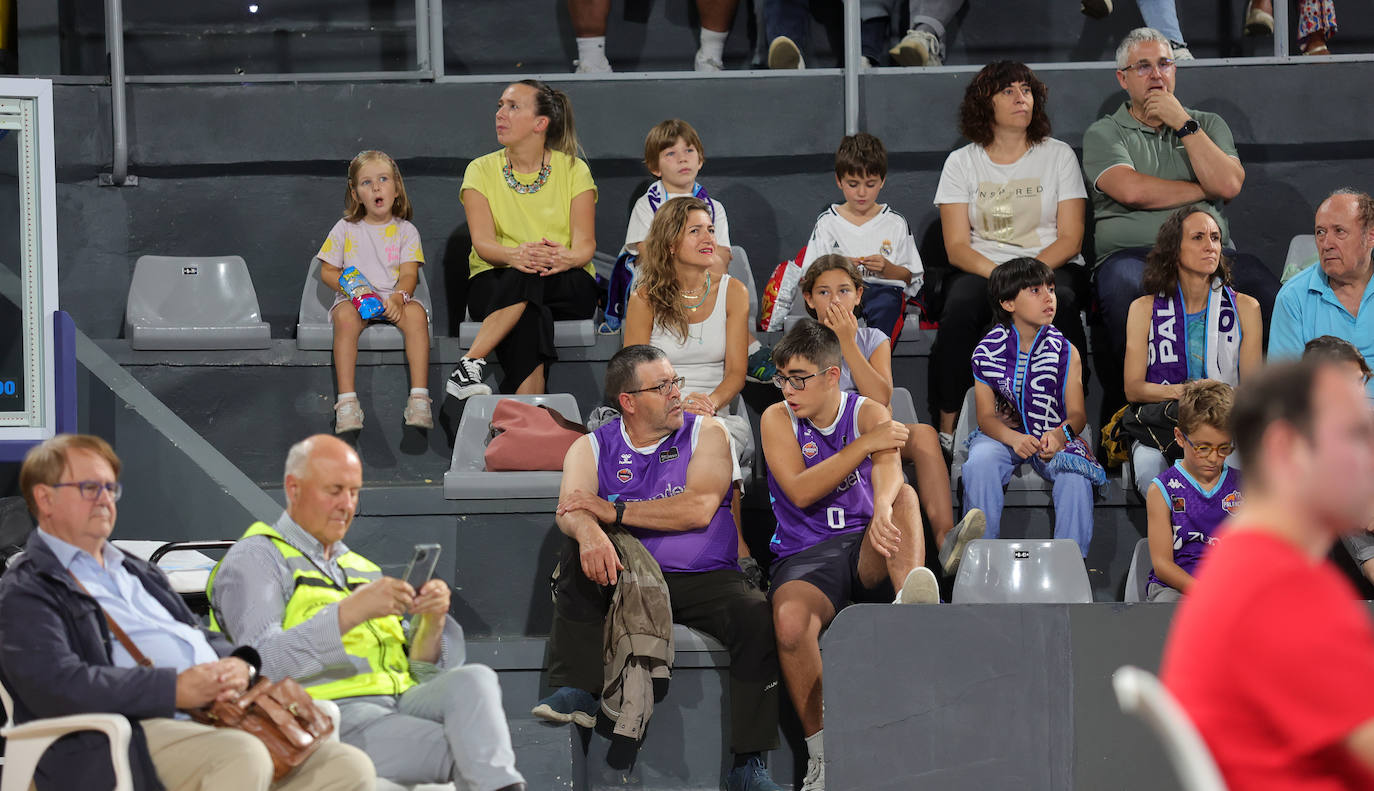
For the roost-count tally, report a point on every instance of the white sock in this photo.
(815, 746)
(713, 44)
(345, 396)
(591, 49)
(424, 391)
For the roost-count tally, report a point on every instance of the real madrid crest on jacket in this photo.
(848, 509)
(631, 474)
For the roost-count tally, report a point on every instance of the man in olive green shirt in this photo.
(1144, 161)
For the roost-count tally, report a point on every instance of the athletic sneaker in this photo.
(760, 367)
(704, 63)
(970, 527)
(815, 775)
(919, 48)
(783, 53)
(466, 379)
(602, 66)
(568, 704)
(417, 413)
(1182, 53)
(348, 416)
(947, 445)
(752, 776)
(1097, 9)
(920, 587)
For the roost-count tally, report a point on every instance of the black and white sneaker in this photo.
(466, 379)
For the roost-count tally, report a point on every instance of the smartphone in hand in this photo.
(421, 567)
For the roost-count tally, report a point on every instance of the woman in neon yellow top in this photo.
(531, 210)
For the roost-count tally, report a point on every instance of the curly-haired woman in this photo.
(1014, 192)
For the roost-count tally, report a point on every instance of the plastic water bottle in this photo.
(365, 299)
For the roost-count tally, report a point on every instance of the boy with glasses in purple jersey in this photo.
(849, 527)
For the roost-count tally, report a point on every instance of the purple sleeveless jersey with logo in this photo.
(848, 509)
(1195, 515)
(624, 472)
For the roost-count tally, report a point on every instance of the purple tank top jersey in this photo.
(624, 472)
(848, 509)
(1195, 514)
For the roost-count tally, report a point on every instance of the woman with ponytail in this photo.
(531, 211)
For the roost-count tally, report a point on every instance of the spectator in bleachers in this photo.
(832, 288)
(1028, 392)
(1151, 156)
(1268, 651)
(1335, 297)
(787, 23)
(58, 657)
(1162, 15)
(1190, 325)
(1188, 502)
(676, 502)
(326, 616)
(698, 318)
(1316, 23)
(589, 25)
(849, 527)
(1013, 192)
(376, 237)
(924, 42)
(874, 236)
(531, 211)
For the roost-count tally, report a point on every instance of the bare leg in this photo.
(414, 325)
(932, 478)
(716, 15)
(948, 421)
(800, 611)
(906, 516)
(495, 327)
(348, 325)
(589, 17)
(533, 384)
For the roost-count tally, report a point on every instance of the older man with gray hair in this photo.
(1150, 157)
(322, 614)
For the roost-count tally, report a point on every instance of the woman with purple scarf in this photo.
(1191, 324)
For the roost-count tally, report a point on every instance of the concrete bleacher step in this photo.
(545, 754)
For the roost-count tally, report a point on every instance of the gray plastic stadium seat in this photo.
(1302, 253)
(467, 477)
(315, 332)
(1026, 487)
(1002, 571)
(903, 408)
(1138, 577)
(178, 302)
(740, 270)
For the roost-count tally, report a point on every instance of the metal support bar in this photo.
(436, 38)
(852, 65)
(1281, 30)
(114, 43)
(421, 35)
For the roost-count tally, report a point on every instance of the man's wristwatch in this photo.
(1190, 126)
(619, 513)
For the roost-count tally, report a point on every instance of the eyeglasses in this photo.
(664, 388)
(1223, 450)
(1144, 67)
(91, 490)
(797, 382)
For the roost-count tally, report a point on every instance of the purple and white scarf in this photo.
(1168, 345)
(658, 194)
(1035, 394)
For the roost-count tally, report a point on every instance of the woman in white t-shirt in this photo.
(1013, 192)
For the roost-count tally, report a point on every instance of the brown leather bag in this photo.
(528, 437)
(281, 714)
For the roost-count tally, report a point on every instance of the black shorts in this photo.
(833, 567)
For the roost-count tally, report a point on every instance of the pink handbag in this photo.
(528, 437)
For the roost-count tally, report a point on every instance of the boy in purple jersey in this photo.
(849, 527)
(1188, 502)
(663, 475)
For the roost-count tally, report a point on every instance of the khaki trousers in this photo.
(194, 757)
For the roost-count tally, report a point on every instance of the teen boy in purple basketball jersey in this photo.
(664, 475)
(849, 527)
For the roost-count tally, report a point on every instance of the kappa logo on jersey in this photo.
(1232, 502)
(624, 475)
(624, 458)
(809, 450)
(1175, 484)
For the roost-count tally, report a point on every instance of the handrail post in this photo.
(1281, 30)
(114, 44)
(436, 38)
(422, 35)
(852, 54)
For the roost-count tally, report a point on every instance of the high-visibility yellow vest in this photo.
(380, 641)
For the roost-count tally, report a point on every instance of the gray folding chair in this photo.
(1003, 571)
(193, 303)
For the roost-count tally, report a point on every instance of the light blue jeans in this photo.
(1162, 15)
(990, 466)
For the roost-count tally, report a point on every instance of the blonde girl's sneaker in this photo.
(418, 413)
(348, 416)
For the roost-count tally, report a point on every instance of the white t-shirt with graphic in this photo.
(887, 234)
(1013, 209)
(376, 250)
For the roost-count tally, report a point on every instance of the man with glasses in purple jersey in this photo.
(1150, 157)
(663, 475)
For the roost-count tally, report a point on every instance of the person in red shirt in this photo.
(1269, 651)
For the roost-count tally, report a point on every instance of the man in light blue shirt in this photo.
(1336, 297)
